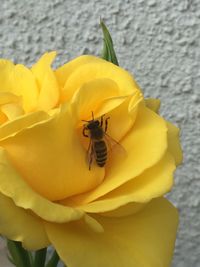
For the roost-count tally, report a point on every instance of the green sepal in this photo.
(53, 262)
(108, 52)
(31, 258)
(18, 255)
(40, 258)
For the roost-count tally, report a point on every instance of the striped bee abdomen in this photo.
(100, 150)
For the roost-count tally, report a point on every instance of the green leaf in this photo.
(108, 52)
(31, 258)
(53, 262)
(40, 257)
(18, 255)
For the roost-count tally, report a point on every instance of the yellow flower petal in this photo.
(90, 96)
(3, 117)
(10, 106)
(47, 156)
(154, 182)
(93, 224)
(48, 86)
(7, 98)
(126, 210)
(153, 104)
(20, 225)
(19, 124)
(120, 118)
(49, 94)
(145, 239)
(13, 186)
(173, 132)
(39, 69)
(122, 112)
(20, 81)
(101, 97)
(146, 143)
(12, 111)
(64, 72)
(6, 75)
(174, 143)
(24, 84)
(97, 70)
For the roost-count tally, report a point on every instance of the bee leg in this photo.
(101, 123)
(106, 124)
(83, 132)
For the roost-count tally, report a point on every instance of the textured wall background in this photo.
(158, 41)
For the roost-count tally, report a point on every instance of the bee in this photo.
(98, 147)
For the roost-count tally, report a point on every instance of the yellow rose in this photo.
(107, 216)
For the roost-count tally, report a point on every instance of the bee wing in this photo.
(114, 146)
(90, 154)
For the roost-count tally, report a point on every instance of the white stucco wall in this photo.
(158, 41)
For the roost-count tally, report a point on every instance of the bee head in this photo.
(92, 124)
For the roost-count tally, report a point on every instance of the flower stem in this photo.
(54, 260)
(40, 257)
(20, 257)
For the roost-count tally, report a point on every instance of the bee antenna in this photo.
(84, 120)
(92, 115)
